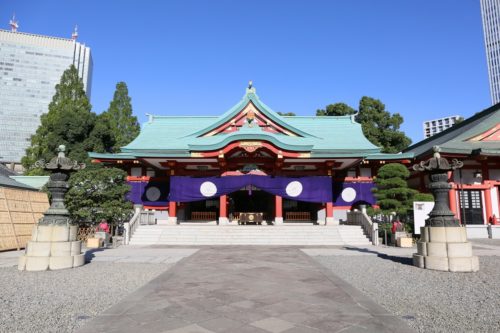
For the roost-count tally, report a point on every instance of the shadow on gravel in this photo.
(89, 254)
(401, 260)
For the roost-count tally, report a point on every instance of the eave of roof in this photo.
(454, 140)
(384, 156)
(8, 182)
(165, 136)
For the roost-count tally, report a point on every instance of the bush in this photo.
(98, 193)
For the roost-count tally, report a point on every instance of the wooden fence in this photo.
(203, 216)
(298, 216)
(20, 210)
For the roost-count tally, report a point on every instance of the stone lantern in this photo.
(443, 242)
(53, 242)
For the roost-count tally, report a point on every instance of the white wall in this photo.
(494, 201)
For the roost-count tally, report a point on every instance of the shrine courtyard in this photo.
(252, 289)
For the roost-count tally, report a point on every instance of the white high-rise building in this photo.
(432, 127)
(30, 67)
(490, 12)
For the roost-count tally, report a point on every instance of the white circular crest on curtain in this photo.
(153, 193)
(294, 189)
(208, 189)
(348, 194)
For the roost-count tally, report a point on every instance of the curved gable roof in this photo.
(251, 97)
(323, 136)
(459, 139)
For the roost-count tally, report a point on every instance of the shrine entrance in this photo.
(299, 211)
(251, 200)
(201, 211)
(235, 196)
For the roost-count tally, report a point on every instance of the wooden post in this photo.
(223, 206)
(172, 212)
(223, 210)
(453, 200)
(329, 213)
(278, 218)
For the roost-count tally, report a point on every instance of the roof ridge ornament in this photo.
(250, 89)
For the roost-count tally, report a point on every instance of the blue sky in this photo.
(423, 58)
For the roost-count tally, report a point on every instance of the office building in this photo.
(436, 126)
(30, 67)
(490, 12)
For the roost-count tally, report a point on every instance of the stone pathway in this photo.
(246, 289)
(123, 254)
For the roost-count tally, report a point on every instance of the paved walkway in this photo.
(245, 289)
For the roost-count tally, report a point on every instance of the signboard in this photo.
(421, 210)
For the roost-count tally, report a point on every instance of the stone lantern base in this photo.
(52, 247)
(445, 249)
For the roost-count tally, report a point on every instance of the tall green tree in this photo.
(69, 121)
(123, 125)
(289, 114)
(98, 193)
(379, 126)
(392, 191)
(337, 109)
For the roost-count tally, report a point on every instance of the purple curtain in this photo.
(310, 189)
(152, 193)
(347, 194)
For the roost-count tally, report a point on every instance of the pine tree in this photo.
(124, 126)
(379, 126)
(68, 121)
(337, 109)
(391, 190)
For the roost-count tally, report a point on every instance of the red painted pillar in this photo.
(223, 206)
(172, 212)
(329, 213)
(223, 210)
(453, 200)
(172, 209)
(278, 207)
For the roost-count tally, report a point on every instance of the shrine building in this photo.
(250, 160)
(475, 193)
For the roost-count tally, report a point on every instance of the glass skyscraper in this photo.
(30, 67)
(490, 12)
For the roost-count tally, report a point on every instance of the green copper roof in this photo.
(251, 96)
(323, 136)
(32, 181)
(456, 139)
(8, 182)
(382, 156)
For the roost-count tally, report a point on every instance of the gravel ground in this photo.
(429, 301)
(62, 301)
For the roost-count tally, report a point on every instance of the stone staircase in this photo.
(249, 235)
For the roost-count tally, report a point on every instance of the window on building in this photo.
(136, 172)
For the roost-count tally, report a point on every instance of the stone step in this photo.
(248, 235)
